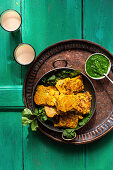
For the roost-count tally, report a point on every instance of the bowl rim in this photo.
(99, 78)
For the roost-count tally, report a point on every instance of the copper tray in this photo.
(76, 53)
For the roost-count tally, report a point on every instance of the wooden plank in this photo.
(97, 27)
(99, 154)
(42, 153)
(10, 71)
(11, 95)
(10, 141)
(98, 22)
(47, 22)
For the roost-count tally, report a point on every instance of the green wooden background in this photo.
(45, 22)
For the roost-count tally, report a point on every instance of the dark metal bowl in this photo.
(88, 86)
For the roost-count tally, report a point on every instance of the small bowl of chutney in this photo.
(97, 65)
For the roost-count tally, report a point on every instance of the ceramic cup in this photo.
(10, 20)
(24, 54)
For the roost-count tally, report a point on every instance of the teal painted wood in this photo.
(98, 22)
(10, 71)
(99, 154)
(97, 27)
(42, 153)
(12, 94)
(10, 141)
(46, 22)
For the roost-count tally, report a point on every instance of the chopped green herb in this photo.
(97, 65)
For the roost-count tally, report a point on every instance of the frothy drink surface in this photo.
(11, 20)
(24, 54)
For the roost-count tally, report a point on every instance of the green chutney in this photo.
(97, 65)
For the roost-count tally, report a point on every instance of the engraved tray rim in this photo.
(92, 134)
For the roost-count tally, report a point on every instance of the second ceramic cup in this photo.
(24, 54)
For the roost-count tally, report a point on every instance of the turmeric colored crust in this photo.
(68, 120)
(46, 95)
(80, 102)
(70, 85)
(51, 111)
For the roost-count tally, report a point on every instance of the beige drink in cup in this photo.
(10, 20)
(24, 54)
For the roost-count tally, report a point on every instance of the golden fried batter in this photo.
(46, 95)
(51, 111)
(80, 102)
(70, 85)
(68, 121)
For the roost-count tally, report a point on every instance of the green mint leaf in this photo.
(69, 133)
(36, 111)
(26, 121)
(26, 112)
(52, 78)
(85, 119)
(75, 73)
(44, 118)
(34, 125)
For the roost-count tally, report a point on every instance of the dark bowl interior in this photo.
(88, 86)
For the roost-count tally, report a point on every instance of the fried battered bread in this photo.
(51, 111)
(80, 102)
(68, 120)
(46, 95)
(70, 85)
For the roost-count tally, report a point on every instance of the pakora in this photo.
(80, 102)
(51, 111)
(68, 120)
(46, 95)
(70, 85)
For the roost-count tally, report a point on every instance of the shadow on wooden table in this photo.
(38, 137)
(40, 150)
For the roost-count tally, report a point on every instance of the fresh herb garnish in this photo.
(85, 119)
(69, 133)
(34, 125)
(51, 80)
(29, 117)
(41, 114)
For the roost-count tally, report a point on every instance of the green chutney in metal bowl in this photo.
(97, 65)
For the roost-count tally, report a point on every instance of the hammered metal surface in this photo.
(75, 52)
